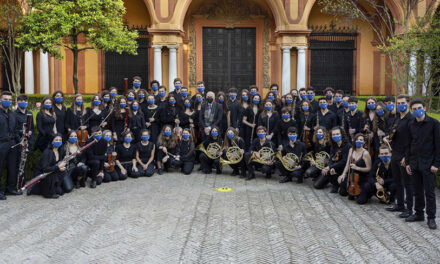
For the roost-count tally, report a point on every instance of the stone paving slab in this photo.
(173, 218)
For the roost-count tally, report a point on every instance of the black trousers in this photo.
(251, 165)
(112, 176)
(424, 188)
(78, 173)
(403, 184)
(207, 164)
(241, 166)
(8, 157)
(369, 190)
(130, 172)
(52, 184)
(312, 172)
(95, 167)
(187, 167)
(148, 172)
(322, 180)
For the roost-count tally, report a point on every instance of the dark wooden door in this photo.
(229, 58)
(120, 66)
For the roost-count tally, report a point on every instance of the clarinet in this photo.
(24, 151)
(65, 160)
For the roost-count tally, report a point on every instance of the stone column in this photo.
(412, 84)
(28, 73)
(44, 73)
(427, 73)
(158, 63)
(285, 79)
(172, 73)
(301, 68)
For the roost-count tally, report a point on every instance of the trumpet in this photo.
(213, 151)
(234, 155)
(321, 159)
(289, 161)
(266, 155)
(381, 194)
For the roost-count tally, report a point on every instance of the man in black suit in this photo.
(210, 115)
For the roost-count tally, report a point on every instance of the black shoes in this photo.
(250, 176)
(415, 218)
(395, 208)
(285, 179)
(13, 192)
(52, 196)
(235, 172)
(405, 214)
(299, 180)
(432, 224)
(77, 185)
(334, 189)
(93, 184)
(159, 171)
(2, 196)
(268, 175)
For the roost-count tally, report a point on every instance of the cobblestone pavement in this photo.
(174, 218)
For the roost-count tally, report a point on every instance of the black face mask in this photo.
(209, 99)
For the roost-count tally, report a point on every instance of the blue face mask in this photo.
(72, 140)
(130, 98)
(136, 85)
(371, 106)
(303, 97)
(270, 97)
(106, 99)
(96, 102)
(122, 105)
(187, 104)
(214, 134)
(154, 87)
(310, 96)
(185, 136)
(275, 92)
(230, 135)
(402, 107)
(162, 94)
(390, 107)
(329, 96)
(58, 100)
(167, 133)
(172, 102)
(232, 96)
(305, 108)
(253, 93)
(200, 89)
(352, 107)
(245, 98)
(338, 99)
(6, 103)
(22, 105)
(127, 140)
(285, 116)
(359, 144)
(319, 136)
(323, 105)
(380, 112)
(292, 138)
(47, 106)
(107, 138)
(419, 113)
(268, 108)
(141, 96)
(150, 102)
(177, 86)
(337, 138)
(97, 137)
(113, 95)
(57, 144)
(256, 101)
(199, 99)
(135, 107)
(289, 101)
(261, 135)
(184, 94)
(385, 159)
(345, 104)
(221, 100)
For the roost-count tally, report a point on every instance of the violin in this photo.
(111, 160)
(353, 183)
(83, 136)
(307, 139)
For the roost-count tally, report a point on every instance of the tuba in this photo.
(266, 155)
(289, 161)
(213, 151)
(381, 194)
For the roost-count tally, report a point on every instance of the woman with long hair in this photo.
(151, 116)
(46, 120)
(233, 140)
(206, 163)
(60, 111)
(76, 169)
(120, 118)
(320, 144)
(145, 154)
(126, 158)
(167, 149)
(269, 119)
(96, 114)
(137, 121)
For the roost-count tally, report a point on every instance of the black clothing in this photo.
(52, 183)
(94, 119)
(314, 106)
(45, 125)
(369, 188)
(96, 156)
(234, 110)
(401, 140)
(246, 132)
(329, 120)
(144, 151)
(335, 108)
(126, 156)
(8, 156)
(136, 124)
(282, 127)
(118, 124)
(299, 149)
(168, 115)
(270, 123)
(155, 125)
(338, 159)
(355, 122)
(255, 147)
(210, 115)
(61, 116)
(74, 119)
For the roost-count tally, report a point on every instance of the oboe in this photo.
(24, 151)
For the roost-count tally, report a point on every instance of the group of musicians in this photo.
(384, 151)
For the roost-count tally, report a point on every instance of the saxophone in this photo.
(381, 194)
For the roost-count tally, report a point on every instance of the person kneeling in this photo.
(126, 157)
(186, 152)
(145, 155)
(233, 140)
(253, 157)
(206, 162)
(297, 148)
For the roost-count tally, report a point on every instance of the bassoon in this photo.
(24, 151)
(65, 160)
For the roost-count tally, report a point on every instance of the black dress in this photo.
(94, 119)
(136, 124)
(154, 127)
(61, 116)
(145, 152)
(45, 125)
(252, 118)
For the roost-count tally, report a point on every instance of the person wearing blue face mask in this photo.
(51, 161)
(210, 115)
(249, 120)
(371, 127)
(302, 94)
(8, 156)
(177, 91)
(233, 140)
(338, 158)
(60, 111)
(151, 116)
(77, 170)
(324, 117)
(113, 94)
(274, 89)
(206, 163)
(423, 161)
(314, 106)
(343, 111)
(354, 121)
(137, 81)
(188, 116)
(170, 115)
(167, 150)
(283, 126)
(161, 99)
(221, 96)
(296, 147)
(380, 179)
(390, 113)
(400, 144)
(120, 118)
(329, 94)
(45, 124)
(201, 90)
(253, 153)
(154, 87)
(106, 100)
(253, 90)
(186, 154)
(145, 155)
(110, 171)
(126, 159)
(184, 92)
(96, 156)
(269, 119)
(359, 162)
(136, 122)
(142, 99)
(233, 109)
(321, 145)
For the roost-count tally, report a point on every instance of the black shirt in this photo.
(186, 150)
(45, 125)
(401, 140)
(20, 120)
(299, 149)
(256, 145)
(355, 122)
(144, 151)
(94, 119)
(328, 120)
(270, 123)
(282, 128)
(74, 119)
(126, 154)
(338, 156)
(7, 125)
(384, 172)
(168, 115)
(61, 116)
(234, 110)
(97, 151)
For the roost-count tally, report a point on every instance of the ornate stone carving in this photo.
(266, 57)
(192, 54)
